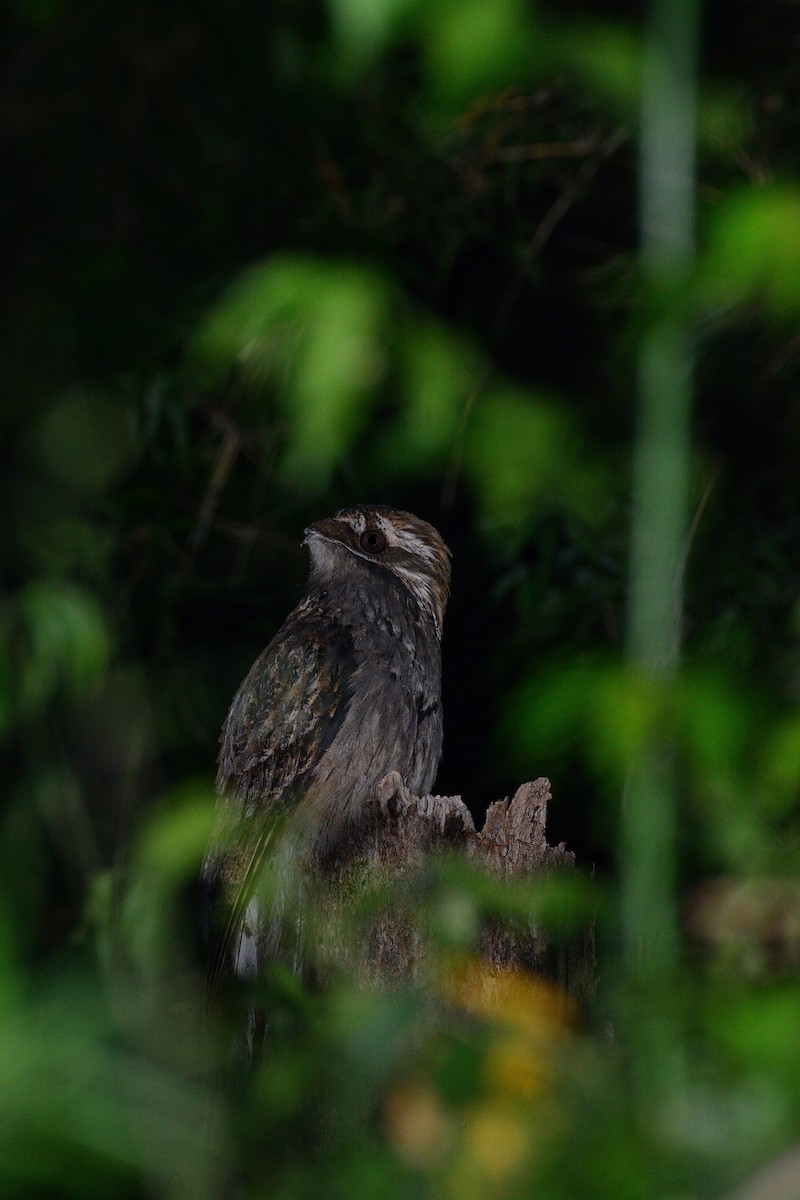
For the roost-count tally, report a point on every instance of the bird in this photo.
(347, 691)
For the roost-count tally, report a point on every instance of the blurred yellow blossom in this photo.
(496, 1141)
(495, 1146)
(514, 1067)
(419, 1127)
(532, 1006)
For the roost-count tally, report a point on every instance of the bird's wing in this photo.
(286, 712)
(281, 722)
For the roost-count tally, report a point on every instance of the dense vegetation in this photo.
(535, 275)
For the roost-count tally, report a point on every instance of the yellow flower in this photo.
(531, 1005)
(496, 1141)
(515, 1067)
(418, 1125)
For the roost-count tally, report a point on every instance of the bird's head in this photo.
(390, 540)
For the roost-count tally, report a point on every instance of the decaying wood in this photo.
(374, 885)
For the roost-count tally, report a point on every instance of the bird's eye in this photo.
(373, 541)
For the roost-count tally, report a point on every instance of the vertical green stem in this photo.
(661, 471)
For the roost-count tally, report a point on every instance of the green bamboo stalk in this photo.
(661, 473)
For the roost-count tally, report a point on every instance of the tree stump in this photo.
(374, 886)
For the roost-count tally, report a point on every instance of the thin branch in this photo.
(223, 465)
(538, 151)
(680, 572)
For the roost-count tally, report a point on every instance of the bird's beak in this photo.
(328, 528)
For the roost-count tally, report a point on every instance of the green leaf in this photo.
(522, 454)
(753, 250)
(314, 333)
(173, 841)
(67, 641)
(83, 440)
(363, 28)
(780, 790)
(473, 46)
(604, 56)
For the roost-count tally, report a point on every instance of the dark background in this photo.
(151, 517)
(153, 151)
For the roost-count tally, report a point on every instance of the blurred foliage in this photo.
(264, 260)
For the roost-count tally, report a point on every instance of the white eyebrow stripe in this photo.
(421, 580)
(407, 540)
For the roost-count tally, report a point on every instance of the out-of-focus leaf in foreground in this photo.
(313, 333)
(523, 455)
(82, 1114)
(63, 640)
(753, 250)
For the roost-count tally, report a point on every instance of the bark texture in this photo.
(373, 886)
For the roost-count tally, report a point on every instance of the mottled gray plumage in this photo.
(347, 691)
